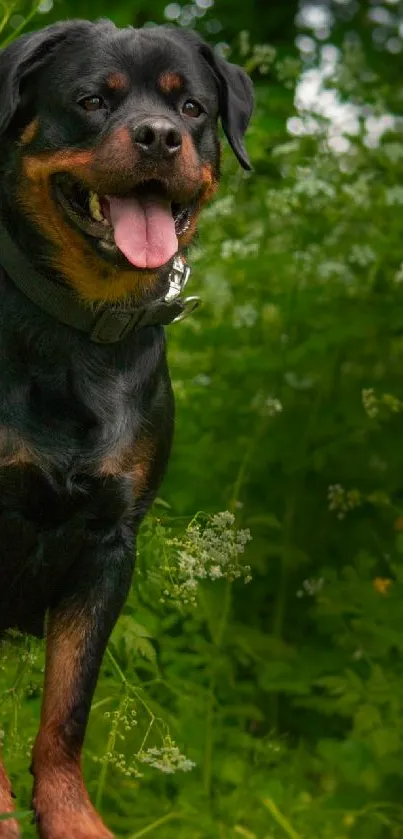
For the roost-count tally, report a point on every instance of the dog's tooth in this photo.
(95, 207)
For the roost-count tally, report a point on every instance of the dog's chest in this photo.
(57, 436)
(69, 421)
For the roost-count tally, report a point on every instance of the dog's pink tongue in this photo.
(144, 230)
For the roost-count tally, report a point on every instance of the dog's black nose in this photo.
(157, 137)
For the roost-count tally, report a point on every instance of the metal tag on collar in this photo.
(177, 279)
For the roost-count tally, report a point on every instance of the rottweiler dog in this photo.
(109, 150)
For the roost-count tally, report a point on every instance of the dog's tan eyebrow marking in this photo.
(30, 132)
(118, 81)
(170, 81)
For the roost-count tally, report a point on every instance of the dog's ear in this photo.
(23, 57)
(236, 101)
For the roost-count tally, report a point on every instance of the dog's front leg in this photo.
(78, 631)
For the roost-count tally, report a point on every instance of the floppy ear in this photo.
(25, 55)
(236, 101)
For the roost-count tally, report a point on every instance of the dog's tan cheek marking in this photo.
(210, 183)
(88, 274)
(209, 186)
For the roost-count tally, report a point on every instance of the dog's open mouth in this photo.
(144, 225)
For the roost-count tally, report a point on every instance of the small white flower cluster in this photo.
(266, 406)
(358, 654)
(398, 278)
(288, 71)
(125, 716)
(373, 403)
(370, 402)
(245, 315)
(358, 192)
(393, 151)
(260, 57)
(210, 552)
(311, 587)
(362, 255)
(341, 501)
(263, 56)
(244, 42)
(238, 247)
(394, 196)
(331, 269)
(272, 406)
(311, 186)
(118, 760)
(219, 208)
(167, 758)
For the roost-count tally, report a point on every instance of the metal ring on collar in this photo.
(190, 304)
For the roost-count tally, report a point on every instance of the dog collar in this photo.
(107, 324)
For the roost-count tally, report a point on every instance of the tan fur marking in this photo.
(105, 169)
(8, 829)
(93, 278)
(170, 81)
(60, 798)
(134, 462)
(118, 81)
(63, 648)
(210, 186)
(30, 132)
(13, 450)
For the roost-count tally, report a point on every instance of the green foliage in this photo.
(286, 693)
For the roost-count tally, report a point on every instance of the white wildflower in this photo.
(362, 255)
(209, 552)
(311, 186)
(220, 208)
(394, 196)
(202, 379)
(238, 247)
(398, 278)
(358, 192)
(370, 402)
(393, 151)
(311, 587)
(341, 501)
(245, 315)
(273, 406)
(167, 758)
(332, 269)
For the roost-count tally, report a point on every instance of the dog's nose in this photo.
(158, 137)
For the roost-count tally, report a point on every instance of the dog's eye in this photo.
(92, 103)
(191, 108)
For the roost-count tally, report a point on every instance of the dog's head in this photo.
(110, 150)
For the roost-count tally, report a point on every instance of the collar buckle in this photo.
(177, 279)
(113, 324)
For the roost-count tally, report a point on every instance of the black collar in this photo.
(108, 324)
